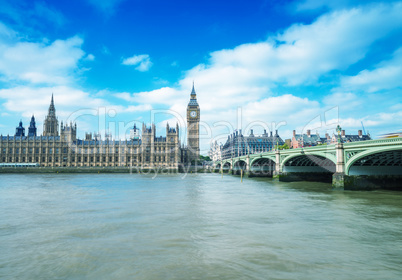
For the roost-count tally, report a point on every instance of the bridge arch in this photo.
(309, 163)
(312, 156)
(388, 157)
(239, 166)
(240, 163)
(262, 166)
(261, 159)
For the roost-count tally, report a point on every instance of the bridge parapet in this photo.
(367, 154)
(376, 142)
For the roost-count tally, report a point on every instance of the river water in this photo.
(203, 226)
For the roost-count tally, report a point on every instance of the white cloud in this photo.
(248, 76)
(26, 100)
(163, 96)
(138, 108)
(142, 61)
(313, 5)
(302, 53)
(344, 100)
(396, 107)
(40, 63)
(299, 55)
(90, 57)
(6, 33)
(387, 75)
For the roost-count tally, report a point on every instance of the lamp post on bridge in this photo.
(338, 179)
(339, 130)
(277, 173)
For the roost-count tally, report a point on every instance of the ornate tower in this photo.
(193, 131)
(68, 133)
(20, 130)
(51, 124)
(32, 127)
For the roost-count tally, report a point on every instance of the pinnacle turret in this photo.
(193, 92)
(193, 98)
(51, 125)
(52, 109)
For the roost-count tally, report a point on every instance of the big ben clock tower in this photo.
(193, 130)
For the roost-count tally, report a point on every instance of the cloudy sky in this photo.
(261, 64)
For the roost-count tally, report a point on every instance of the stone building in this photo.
(51, 124)
(215, 151)
(346, 138)
(20, 130)
(66, 150)
(308, 139)
(32, 127)
(193, 128)
(238, 145)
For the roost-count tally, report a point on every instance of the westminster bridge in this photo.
(368, 164)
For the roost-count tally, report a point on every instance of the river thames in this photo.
(201, 226)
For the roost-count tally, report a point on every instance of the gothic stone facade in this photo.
(193, 128)
(65, 150)
(238, 144)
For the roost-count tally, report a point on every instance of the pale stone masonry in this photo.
(65, 150)
(193, 128)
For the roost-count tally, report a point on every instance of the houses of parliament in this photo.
(60, 147)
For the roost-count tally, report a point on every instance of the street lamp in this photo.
(339, 129)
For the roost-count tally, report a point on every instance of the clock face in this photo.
(193, 114)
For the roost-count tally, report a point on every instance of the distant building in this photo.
(32, 128)
(215, 152)
(68, 133)
(20, 130)
(193, 128)
(238, 145)
(134, 133)
(307, 139)
(51, 124)
(65, 149)
(97, 136)
(346, 138)
(108, 136)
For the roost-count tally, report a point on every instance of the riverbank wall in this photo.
(85, 170)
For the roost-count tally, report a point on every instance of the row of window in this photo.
(57, 150)
(83, 159)
(56, 159)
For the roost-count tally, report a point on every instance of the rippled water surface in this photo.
(198, 227)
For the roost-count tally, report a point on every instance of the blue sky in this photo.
(256, 64)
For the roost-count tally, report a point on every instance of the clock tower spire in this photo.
(193, 128)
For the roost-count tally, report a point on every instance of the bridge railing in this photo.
(387, 141)
(321, 148)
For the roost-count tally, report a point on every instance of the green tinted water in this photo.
(198, 227)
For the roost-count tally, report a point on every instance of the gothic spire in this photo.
(50, 125)
(193, 92)
(52, 110)
(32, 123)
(193, 98)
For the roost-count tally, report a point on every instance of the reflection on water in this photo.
(200, 227)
